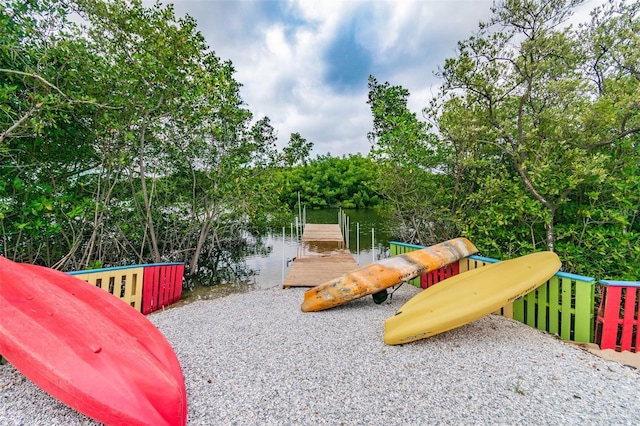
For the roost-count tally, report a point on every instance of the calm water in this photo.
(264, 262)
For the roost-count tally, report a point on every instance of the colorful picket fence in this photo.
(124, 283)
(564, 305)
(146, 288)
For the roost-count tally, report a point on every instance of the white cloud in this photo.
(280, 53)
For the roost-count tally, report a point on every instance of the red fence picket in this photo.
(618, 319)
(162, 285)
(434, 277)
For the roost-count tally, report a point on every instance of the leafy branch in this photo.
(39, 106)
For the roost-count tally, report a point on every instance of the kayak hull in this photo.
(466, 297)
(88, 349)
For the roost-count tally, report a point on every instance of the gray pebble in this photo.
(256, 359)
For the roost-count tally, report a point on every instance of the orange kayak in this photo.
(377, 276)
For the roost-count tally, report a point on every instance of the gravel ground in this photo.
(256, 359)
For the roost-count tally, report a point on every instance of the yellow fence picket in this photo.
(124, 283)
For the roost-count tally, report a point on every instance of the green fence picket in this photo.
(518, 310)
(584, 326)
(554, 305)
(565, 309)
(543, 306)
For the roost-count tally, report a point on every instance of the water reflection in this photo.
(320, 248)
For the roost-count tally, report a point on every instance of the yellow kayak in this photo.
(466, 297)
(377, 276)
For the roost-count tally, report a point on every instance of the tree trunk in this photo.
(155, 252)
(551, 235)
(210, 213)
(202, 238)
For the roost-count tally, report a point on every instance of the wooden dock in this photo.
(321, 257)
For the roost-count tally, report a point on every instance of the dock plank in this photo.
(313, 272)
(321, 257)
(322, 232)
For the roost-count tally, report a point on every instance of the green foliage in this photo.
(410, 167)
(538, 125)
(347, 182)
(599, 231)
(44, 144)
(127, 141)
(124, 141)
(545, 117)
(297, 151)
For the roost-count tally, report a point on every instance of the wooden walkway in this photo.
(321, 257)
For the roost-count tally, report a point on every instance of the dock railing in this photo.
(146, 288)
(565, 305)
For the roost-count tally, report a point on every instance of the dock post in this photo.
(346, 231)
(373, 245)
(283, 251)
(358, 240)
(299, 207)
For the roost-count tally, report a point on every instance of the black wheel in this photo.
(380, 296)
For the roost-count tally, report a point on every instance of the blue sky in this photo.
(305, 63)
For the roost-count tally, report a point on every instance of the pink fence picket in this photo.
(618, 319)
(162, 285)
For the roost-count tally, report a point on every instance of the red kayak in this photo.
(88, 349)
